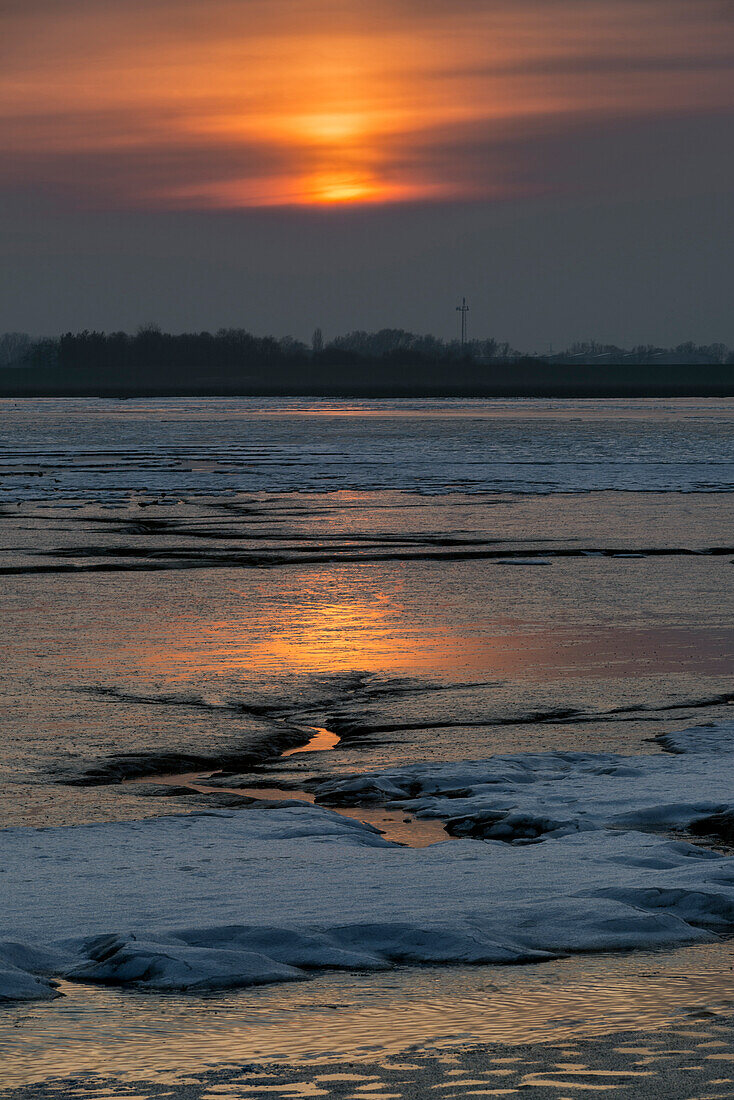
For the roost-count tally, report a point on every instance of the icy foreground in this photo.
(216, 900)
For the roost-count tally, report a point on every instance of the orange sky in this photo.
(246, 103)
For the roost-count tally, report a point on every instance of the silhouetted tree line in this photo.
(645, 354)
(227, 351)
(231, 352)
(398, 345)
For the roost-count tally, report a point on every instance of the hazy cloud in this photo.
(122, 101)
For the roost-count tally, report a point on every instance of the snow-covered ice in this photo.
(221, 899)
(525, 796)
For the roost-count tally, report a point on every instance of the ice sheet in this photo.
(214, 900)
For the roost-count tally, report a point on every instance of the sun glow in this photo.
(335, 187)
(330, 187)
(289, 102)
(330, 127)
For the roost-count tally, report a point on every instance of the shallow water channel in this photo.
(397, 826)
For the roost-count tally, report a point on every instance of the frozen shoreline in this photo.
(218, 900)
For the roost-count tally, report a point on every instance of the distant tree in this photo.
(292, 348)
(14, 346)
(485, 350)
(715, 353)
(42, 353)
(317, 341)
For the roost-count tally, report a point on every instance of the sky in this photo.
(283, 164)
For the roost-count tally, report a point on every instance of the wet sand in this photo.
(670, 1067)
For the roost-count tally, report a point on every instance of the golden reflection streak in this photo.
(339, 636)
(380, 633)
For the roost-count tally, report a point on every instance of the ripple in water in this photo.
(360, 1018)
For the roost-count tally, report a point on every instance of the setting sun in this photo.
(340, 187)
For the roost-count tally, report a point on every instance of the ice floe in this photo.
(220, 899)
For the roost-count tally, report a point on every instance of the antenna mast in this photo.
(463, 309)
